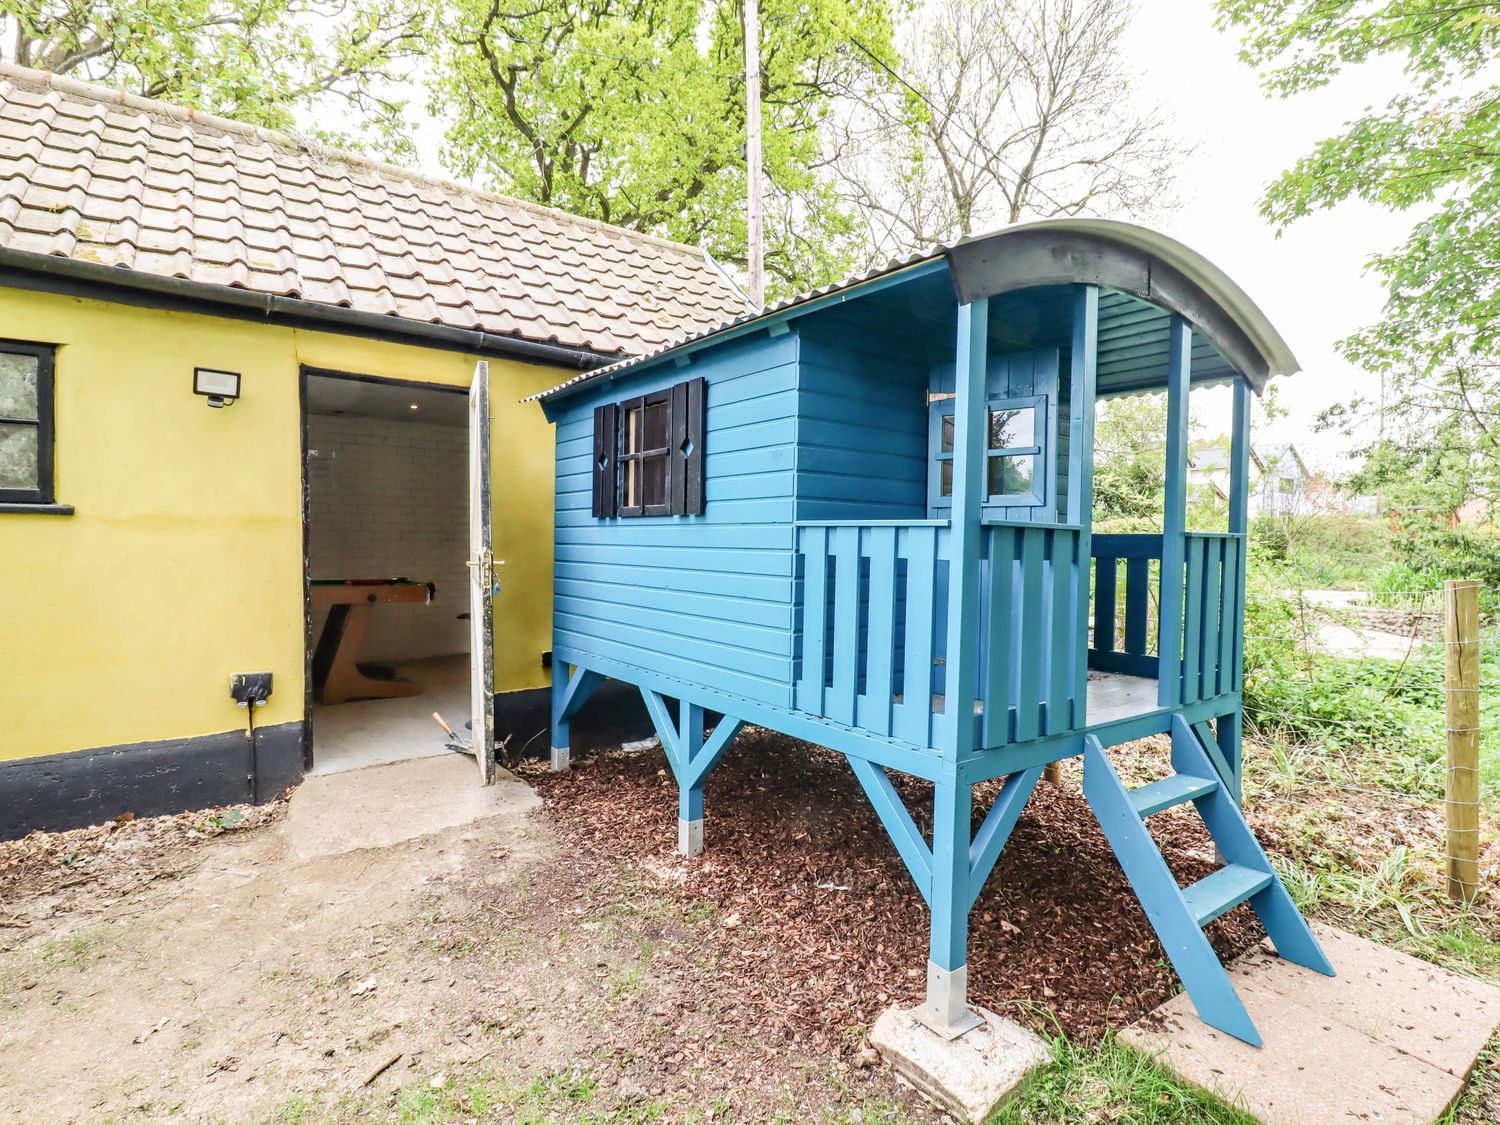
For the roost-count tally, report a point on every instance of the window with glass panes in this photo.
(25, 423)
(644, 455)
(1014, 474)
(648, 454)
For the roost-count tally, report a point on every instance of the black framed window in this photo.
(26, 435)
(645, 457)
(648, 454)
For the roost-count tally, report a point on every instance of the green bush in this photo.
(1435, 553)
(1383, 719)
(1327, 551)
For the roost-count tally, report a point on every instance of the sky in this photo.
(1311, 281)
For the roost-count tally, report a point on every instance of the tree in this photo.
(1432, 149)
(633, 112)
(252, 60)
(1130, 461)
(1440, 450)
(1006, 109)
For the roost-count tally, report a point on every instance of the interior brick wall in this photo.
(390, 499)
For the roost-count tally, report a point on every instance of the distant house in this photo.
(1326, 496)
(1473, 511)
(1280, 480)
(1208, 470)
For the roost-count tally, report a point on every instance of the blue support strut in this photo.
(950, 874)
(946, 1008)
(691, 757)
(571, 688)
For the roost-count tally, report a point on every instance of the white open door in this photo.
(481, 579)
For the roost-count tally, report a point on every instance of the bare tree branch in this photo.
(1007, 109)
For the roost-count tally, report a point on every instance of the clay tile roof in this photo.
(104, 177)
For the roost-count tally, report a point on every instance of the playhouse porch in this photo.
(1066, 643)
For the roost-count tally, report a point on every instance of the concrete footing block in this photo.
(690, 837)
(560, 757)
(969, 1076)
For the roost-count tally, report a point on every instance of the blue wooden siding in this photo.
(861, 435)
(706, 599)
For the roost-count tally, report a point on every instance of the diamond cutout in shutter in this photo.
(687, 447)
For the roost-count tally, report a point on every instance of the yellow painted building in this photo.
(168, 544)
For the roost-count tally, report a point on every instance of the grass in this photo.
(73, 952)
(77, 951)
(1479, 1099)
(1108, 1081)
(572, 1095)
(568, 1095)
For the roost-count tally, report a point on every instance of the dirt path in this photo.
(259, 972)
(397, 947)
(404, 946)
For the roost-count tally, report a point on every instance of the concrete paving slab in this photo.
(1390, 1039)
(969, 1076)
(1443, 1018)
(379, 806)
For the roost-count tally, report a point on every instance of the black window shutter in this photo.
(692, 447)
(677, 442)
(604, 460)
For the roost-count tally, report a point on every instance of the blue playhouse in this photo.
(863, 518)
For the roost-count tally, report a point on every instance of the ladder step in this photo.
(1170, 792)
(1222, 891)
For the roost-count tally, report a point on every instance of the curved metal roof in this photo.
(1134, 259)
(1105, 252)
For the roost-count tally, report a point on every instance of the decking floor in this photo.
(1111, 696)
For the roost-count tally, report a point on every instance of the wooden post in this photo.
(755, 226)
(1239, 524)
(1461, 605)
(1080, 507)
(961, 671)
(1174, 515)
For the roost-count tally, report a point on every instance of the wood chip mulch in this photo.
(819, 923)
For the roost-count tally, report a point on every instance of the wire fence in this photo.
(1353, 761)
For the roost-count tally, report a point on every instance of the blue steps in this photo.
(1222, 891)
(1170, 792)
(1178, 914)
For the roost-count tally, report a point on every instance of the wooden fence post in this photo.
(1461, 688)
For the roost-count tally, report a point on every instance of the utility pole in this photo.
(756, 222)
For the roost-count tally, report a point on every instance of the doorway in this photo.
(386, 536)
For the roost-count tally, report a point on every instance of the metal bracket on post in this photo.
(946, 1010)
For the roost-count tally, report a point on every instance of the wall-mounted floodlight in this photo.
(221, 388)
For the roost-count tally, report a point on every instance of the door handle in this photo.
(486, 564)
